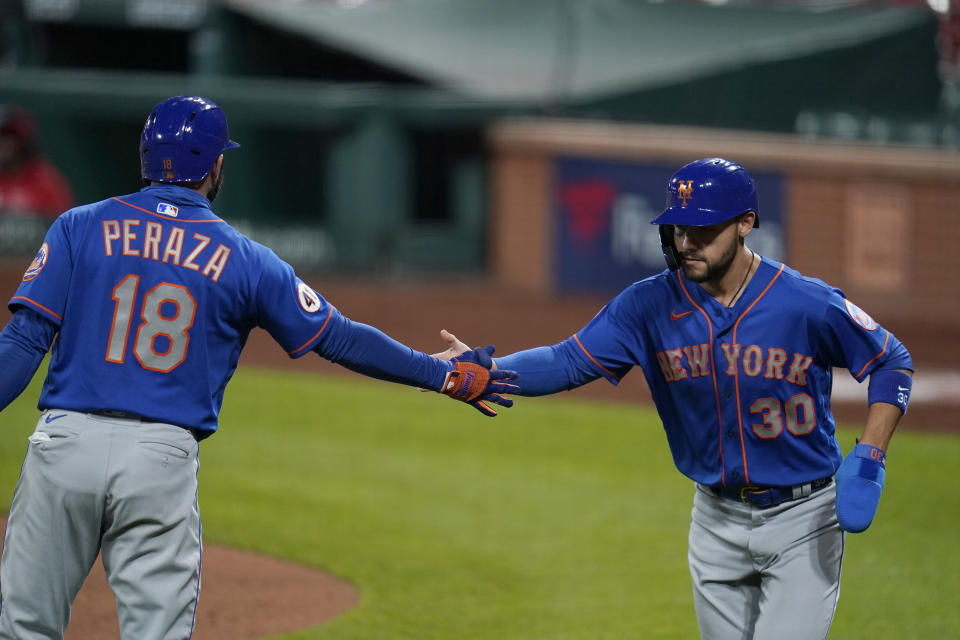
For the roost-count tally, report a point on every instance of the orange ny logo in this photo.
(684, 191)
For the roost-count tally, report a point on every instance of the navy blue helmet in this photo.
(703, 193)
(182, 138)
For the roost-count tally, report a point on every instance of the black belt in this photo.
(765, 497)
(197, 434)
(123, 415)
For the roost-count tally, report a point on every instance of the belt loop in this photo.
(802, 490)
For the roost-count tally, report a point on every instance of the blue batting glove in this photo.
(473, 382)
(859, 484)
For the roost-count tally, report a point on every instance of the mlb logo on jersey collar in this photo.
(167, 209)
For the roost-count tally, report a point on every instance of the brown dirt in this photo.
(244, 595)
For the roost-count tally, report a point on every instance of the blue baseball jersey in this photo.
(155, 295)
(743, 392)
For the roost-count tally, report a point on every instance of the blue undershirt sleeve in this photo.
(545, 370)
(369, 351)
(23, 343)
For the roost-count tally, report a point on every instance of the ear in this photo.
(215, 170)
(745, 223)
(210, 179)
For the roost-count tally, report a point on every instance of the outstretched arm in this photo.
(369, 351)
(540, 370)
(301, 320)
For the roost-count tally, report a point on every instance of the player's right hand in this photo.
(472, 381)
(455, 346)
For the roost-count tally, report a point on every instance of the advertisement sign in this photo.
(603, 210)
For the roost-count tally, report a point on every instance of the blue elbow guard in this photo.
(859, 485)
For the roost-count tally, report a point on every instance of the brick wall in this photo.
(881, 223)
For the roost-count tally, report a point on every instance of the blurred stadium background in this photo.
(491, 167)
(429, 163)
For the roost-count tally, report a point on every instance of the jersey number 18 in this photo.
(174, 326)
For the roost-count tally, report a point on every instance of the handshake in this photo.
(474, 378)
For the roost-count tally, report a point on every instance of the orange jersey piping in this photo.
(325, 322)
(593, 360)
(34, 302)
(886, 339)
(736, 374)
(158, 215)
(713, 373)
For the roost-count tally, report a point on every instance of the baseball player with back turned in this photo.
(148, 299)
(738, 352)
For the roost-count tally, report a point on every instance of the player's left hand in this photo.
(859, 485)
(472, 381)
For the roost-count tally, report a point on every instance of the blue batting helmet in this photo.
(703, 193)
(182, 138)
(709, 191)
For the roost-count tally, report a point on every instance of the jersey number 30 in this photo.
(798, 411)
(161, 340)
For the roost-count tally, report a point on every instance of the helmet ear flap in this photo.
(670, 253)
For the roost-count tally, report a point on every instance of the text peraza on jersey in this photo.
(169, 244)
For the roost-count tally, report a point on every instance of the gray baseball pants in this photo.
(93, 484)
(765, 574)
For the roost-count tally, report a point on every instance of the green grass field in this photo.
(561, 519)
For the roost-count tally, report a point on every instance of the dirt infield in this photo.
(244, 595)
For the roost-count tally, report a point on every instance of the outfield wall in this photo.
(881, 223)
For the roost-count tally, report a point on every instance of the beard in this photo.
(711, 271)
(215, 189)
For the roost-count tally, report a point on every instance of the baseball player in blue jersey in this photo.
(147, 300)
(738, 351)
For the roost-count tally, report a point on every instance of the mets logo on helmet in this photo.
(38, 263)
(684, 191)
